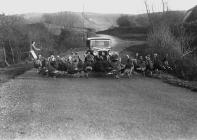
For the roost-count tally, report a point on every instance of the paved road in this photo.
(34, 107)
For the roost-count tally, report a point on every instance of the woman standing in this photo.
(33, 48)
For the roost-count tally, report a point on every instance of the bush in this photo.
(69, 39)
(185, 69)
(163, 41)
(123, 21)
(13, 37)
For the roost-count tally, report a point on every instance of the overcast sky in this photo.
(99, 6)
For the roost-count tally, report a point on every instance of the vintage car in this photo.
(99, 44)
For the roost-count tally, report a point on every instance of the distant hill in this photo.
(96, 21)
(102, 21)
(191, 15)
(74, 19)
(33, 17)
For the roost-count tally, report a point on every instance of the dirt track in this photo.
(34, 107)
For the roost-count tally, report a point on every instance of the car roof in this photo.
(97, 38)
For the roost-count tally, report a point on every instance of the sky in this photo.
(98, 6)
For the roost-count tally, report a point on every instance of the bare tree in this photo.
(156, 18)
(148, 11)
(5, 55)
(13, 59)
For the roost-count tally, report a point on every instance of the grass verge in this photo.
(143, 50)
(13, 71)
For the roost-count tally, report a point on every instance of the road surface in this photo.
(35, 108)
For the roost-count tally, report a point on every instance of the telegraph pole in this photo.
(85, 30)
(83, 33)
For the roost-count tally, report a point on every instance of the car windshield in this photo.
(100, 43)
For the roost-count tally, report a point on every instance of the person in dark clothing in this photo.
(149, 65)
(89, 57)
(53, 63)
(166, 66)
(139, 65)
(156, 63)
(90, 51)
(50, 69)
(105, 61)
(129, 63)
(115, 63)
(88, 63)
(99, 67)
(80, 65)
(61, 64)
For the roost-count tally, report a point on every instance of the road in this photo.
(35, 108)
(119, 44)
